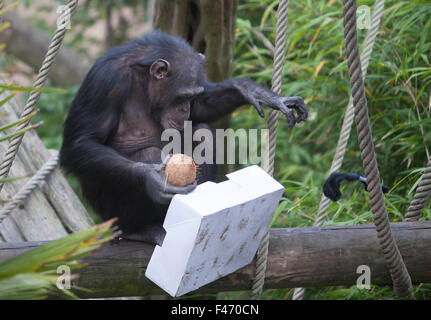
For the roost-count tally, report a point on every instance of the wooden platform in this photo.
(300, 257)
(50, 212)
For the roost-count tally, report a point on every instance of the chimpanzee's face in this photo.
(174, 116)
(172, 88)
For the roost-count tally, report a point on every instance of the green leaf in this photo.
(29, 89)
(13, 124)
(70, 248)
(19, 132)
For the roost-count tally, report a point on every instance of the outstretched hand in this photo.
(286, 105)
(297, 104)
(258, 96)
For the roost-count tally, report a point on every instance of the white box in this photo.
(214, 230)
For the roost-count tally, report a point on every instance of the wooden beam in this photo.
(49, 209)
(298, 257)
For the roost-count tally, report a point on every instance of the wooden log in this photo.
(35, 218)
(42, 215)
(29, 44)
(300, 257)
(56, 188)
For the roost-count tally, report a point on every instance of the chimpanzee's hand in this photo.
(298, 104)
(257, 96)
(160, 191)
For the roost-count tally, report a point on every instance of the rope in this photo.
(398, 271)
(272, 122)
(422, 196)
(32, 184)
(54, 47)
(340, 151)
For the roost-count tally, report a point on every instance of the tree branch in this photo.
(299, 257)
(29, 44)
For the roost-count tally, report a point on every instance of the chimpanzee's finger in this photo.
(302, 111)
(165, 198)
(299, 105)
(157, 167)
(259, 110)
(292, 102)
(289, 115)
(290, 119)
(166, 160)
(256, 105)
(169, 191)
(180, 190)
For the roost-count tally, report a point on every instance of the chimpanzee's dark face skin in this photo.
(170, 96)
(112, 134)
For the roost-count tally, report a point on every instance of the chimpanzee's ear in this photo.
(160, 69)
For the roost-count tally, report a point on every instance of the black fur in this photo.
(120, 96)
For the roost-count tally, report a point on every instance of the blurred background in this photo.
(398, 88)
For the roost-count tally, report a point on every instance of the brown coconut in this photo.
(180, 170)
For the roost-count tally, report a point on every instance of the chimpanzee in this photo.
(112, 134)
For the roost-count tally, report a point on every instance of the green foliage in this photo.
(8, 130)
(398, 94)
(33, 274)
(90, 13)
(53, 110)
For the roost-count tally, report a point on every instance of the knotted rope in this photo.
(272, 122)
(32, 184)
(346, 128)
(54, 47)
(398, 271)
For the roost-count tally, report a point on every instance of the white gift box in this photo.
(214, 230)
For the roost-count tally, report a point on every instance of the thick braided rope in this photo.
(54, 47)
(349, 117)
(397, 269)
(422, 196)
(346, 128)
(279, 55)
(32, 184)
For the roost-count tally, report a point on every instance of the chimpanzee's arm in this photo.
(92, 120)
(88, 158)
(92, 161)
(220, 99)
(85, 154)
